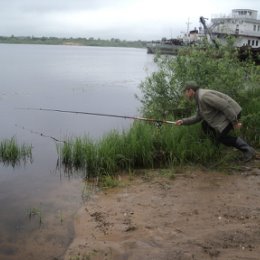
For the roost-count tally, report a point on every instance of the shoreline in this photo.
(197, 215)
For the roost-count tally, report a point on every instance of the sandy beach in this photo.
(199, 214)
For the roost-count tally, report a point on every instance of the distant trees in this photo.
(113, 42)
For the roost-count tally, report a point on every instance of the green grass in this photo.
(142, 146)
(35, 212)
(13, 153)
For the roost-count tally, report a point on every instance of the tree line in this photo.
(113, 42)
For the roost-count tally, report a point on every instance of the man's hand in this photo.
(237, 125)
(179, 122)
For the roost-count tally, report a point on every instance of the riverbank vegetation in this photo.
(147, 146)
(72, 41)
(142, 146)
(12, 153)
(214, 68)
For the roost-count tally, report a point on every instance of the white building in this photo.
(242, 23)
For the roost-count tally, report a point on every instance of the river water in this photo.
(38, 199)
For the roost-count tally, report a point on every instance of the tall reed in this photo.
(142, 146)
(12, 153)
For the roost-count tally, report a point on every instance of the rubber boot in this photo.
(248, 151)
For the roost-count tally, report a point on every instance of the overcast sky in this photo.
(106, 19)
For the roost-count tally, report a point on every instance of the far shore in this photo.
(72, 41)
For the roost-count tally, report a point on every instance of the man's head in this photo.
(190, 88)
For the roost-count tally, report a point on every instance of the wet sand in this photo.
(198, 215)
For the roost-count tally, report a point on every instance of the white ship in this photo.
(242, 24)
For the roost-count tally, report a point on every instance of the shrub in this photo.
(218, 69)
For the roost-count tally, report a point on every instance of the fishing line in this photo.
(40, 134)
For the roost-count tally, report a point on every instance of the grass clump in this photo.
(13, 153)
(142, 146)
(109, 181)
(35, 212)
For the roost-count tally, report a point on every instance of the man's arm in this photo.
(190, 120)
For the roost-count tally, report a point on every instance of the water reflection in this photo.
(103, 80)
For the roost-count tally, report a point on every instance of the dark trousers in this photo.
(224, 137)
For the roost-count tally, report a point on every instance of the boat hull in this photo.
(163, 49)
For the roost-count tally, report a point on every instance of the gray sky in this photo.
(106, 19)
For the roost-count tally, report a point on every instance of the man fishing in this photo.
(219, 114)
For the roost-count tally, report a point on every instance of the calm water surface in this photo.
(92, 79)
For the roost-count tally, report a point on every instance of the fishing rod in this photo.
(158, 121)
